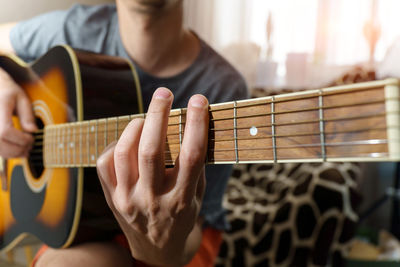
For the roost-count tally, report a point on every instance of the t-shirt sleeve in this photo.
(83, 27)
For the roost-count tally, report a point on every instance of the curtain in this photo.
(314, 32)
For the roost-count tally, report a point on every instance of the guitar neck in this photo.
(346, 123)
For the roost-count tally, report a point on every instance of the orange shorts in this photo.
(205, 256)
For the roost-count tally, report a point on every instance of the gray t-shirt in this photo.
(95, 28)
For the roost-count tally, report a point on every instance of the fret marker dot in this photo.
(92, 157)
(253, 131)
(92, 129)
(71, 145)
(61, 145)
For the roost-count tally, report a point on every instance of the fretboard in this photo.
(347, 123)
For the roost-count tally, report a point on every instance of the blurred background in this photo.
(277, 44)
(297, 43)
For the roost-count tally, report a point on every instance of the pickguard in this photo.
(25, 204)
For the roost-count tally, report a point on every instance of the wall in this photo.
(16, 10)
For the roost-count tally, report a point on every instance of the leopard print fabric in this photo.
(290, 214)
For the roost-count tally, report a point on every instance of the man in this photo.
(158, 209)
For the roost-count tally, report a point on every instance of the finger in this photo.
(126, 156)
(11, 150)
(201, 185)
(152, 141)
(194, 145)
(106, 170)
(25, 113)
(7, 131)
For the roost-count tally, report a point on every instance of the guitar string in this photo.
(215, 108)
(40, 141)
(176, 151)
(49, 143)
(245, 116)
(39, 135)
(167, 161)
(264, 126)
(281, 112)
(355, 142)
(242, 117)
(286, 100)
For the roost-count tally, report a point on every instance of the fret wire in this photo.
(62, 145)
(106, 133)
(81, 142)
(51, 145)
(58, 146)
(180, 129)
(47, 149)
(321, 126)
(96, 148)
(44, 147)
(74, 141)
(116, 129)
(88, 142)
(235, 131)
(67, 144)
(273, 128)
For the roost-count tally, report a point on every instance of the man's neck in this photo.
(157, 42)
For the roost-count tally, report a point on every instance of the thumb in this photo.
(25, 113)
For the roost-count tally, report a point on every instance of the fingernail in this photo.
(198, 101)
(162, 93)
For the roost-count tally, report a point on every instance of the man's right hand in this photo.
(13, 101)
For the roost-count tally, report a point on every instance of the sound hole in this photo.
(35, 158)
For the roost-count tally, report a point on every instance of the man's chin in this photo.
(152, 6)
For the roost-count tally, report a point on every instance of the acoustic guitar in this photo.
(83, 101)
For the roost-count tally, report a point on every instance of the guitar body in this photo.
(64, 86)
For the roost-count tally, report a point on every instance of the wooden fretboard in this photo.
(348, 123)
